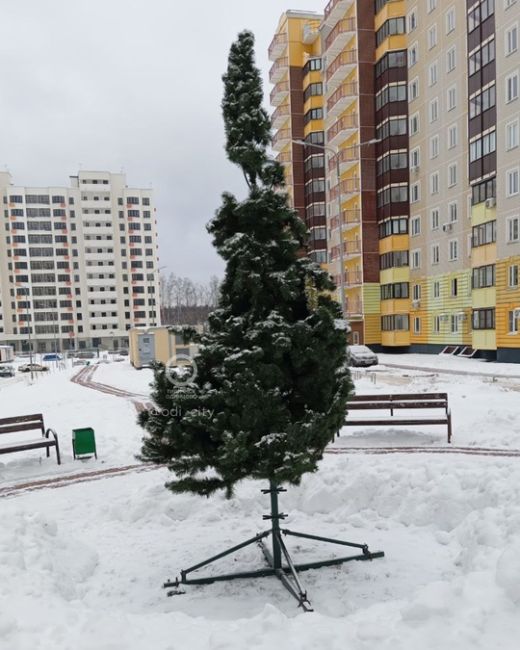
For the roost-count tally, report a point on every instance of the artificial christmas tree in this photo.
(272, 380)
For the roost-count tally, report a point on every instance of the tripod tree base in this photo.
(287, 573)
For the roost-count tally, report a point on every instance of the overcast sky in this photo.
(133, 85)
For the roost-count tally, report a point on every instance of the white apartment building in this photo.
(78, 265)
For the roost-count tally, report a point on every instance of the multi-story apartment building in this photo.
(430, 215)
(298, 117)
(78, 265)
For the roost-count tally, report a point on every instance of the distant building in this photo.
(163, 344)
(78, 265)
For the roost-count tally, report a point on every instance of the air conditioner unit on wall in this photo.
(447, 227)
(416, 303)
(490, 203)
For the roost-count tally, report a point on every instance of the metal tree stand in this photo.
(287, 574)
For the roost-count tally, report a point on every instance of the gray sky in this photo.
(132, 84)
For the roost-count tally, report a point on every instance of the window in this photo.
(451, 59)
(513, 229)
(394, 259)
(454, 324)
(483, 319)
(432, 74)
(392, 126)
(451, 98)
(434, 219)
(435, 253)
(512, 182)
(482, 146)
(394, 291)
(482, 100)
(415, 193)
(452, 174)
(412, 20)
(395, 92)
(311, 66)
(397, 322)
(512, 134)
(483, 277)
(413, 89)
(416, 325)
(432, 4)
(415, 223)
(481, 56)
(397, 59)
(450, 20)
(434, 146)
(416, 292)
(389, 28)
(436, 324)
(453, 250)
(482, 191)
(415, 257)
(392, 160)
(513, 276)
(434, 110)
(313, 90)
(485, 233)
(436, 289)
(453, 211)
(481, 11)
(512, 87)
(413, 55)
(512, 317)
(509, 3)
(392, 194)
(434, 183)
(454, 284)
(414, 124)
(313, 114)
(511, 40)
(432, 36)
(393, 226)
(415, 158)
(452, 136)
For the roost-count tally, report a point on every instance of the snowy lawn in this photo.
(81, 566)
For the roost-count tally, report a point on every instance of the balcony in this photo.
(281, 139)
(340, 67)
(284, 158)
(279, 93)
(280, 116)
(346, 157)
(342, 98)
(310, 33)
(350, 249)
(339, 36)
(353, 279)
(277, 47)
(351, 219)
(342, 128)
(354, 309)
(278, 70)
(346, 187)
(334, 10)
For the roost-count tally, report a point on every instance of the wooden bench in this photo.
(397, 402)
(28, 423)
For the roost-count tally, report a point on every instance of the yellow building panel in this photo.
(480, 214)
(394, 243)
(313, 125)
(483, 255)
(312, 77)
(482, 298)
(371, 298)
(401, 306)
(396, 42)
(395, 339)
(484, 340)
(313, 102)
(389, 276)
(372, 329)
(507, 300)
(390, 10)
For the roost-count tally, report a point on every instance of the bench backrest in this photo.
(400, 397)
(22, 423)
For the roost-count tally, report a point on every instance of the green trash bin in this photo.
(83, 442)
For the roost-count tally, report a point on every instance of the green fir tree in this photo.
(272, 381)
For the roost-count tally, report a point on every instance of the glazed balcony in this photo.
(351, 219)
(334, 10)
(280, 116)
(278, 70)
(339, 36)
(341, 129)
(278, 46)
(340, 67)
(281, 139)
(342, 98)
(279, 93)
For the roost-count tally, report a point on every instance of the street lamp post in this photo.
(29, 330)
(335, 153)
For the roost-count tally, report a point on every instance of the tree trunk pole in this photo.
(277, 551)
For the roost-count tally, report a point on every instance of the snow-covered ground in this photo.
(81, 566)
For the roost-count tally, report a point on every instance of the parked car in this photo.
(35, 367)
(7, 371)
(52, 356)
(361, 356)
